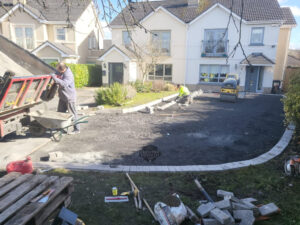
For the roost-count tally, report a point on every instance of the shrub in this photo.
(114, 95)
(131, 92)
(85, 74)
(141, 87)
(158, 85)
(170, 87)
(292, 101)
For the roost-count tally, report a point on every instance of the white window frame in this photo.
(23, 26)
(263, 36)
(92, 43)
(55, 33)
(129, 34)
(170, 41)
(164, 72)
(208, 74)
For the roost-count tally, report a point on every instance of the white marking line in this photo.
(275, 151)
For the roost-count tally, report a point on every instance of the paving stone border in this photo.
(272, 153)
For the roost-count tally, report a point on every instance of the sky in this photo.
(293, 4)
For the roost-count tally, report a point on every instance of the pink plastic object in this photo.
(21, 166)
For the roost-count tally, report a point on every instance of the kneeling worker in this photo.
(184, 95)
(66, 92)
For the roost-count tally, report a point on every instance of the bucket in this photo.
(21, 166)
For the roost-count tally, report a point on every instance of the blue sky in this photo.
(293, 4)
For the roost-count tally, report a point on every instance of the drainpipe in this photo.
(186, 54)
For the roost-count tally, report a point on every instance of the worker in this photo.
(184, 96)
(66, 92)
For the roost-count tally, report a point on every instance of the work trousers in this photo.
(64, 106)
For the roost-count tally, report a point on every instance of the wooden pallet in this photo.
(17, 191)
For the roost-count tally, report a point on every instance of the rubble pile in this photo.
(232, 210)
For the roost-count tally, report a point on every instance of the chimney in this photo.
(194, 3)
(19, 1)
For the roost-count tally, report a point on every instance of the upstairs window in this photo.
(215, 42)
(93, 42)
(61, 34)
(161, 41)
(24, 37)
(126, 38)
(257, 36)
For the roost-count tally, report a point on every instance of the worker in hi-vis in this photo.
(184, 96)
(66, 92)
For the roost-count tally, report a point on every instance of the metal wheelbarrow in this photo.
(57, 122)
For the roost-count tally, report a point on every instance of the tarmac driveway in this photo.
(206, 132)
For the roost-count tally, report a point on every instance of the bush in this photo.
(292, 101)
(170, 87)
(158, 85)
(114, 95)
(85, 75)
(142, 88)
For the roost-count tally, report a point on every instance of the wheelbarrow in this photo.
(57, 122)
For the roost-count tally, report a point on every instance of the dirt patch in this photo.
(207, 132)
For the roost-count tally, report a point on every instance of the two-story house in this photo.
(55, 30)
(198, 38)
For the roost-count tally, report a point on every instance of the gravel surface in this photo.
(206, 132)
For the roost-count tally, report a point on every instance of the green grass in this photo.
(266, 182)
(143, 98)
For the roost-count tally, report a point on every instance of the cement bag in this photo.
(170, 215)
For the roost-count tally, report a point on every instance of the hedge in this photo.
(86, 75)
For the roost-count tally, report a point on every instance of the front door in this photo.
(115, 73)
(252, 75)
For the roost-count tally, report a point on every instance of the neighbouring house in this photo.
(54, 30)
(292, 67)
(192, 42)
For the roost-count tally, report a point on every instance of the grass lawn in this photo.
(142, 98)
(266, 182)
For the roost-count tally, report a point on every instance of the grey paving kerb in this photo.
(260, 158)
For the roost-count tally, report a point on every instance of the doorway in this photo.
(116, 73)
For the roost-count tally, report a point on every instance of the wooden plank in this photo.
(13, 184)
(57, 202)
(21, 190)
(29, 196)
(8, 178)
(30, 210)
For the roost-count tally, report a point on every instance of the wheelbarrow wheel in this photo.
(37, 129)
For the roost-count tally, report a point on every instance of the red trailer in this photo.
(17, 96)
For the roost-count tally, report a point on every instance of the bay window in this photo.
(213, 73)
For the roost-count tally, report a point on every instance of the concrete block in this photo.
(150, 109)
(232, 221)
(220, 216)
(249, 200)
(224, 204)
(55, 155)
(205, 209)
(268, 209)
(245, 216)
(222, 194)
(210, 221)
(240, 206)
(100, 107)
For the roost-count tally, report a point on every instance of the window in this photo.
(215, 42)
(160, 72)
(257, 36)
(24, 37)
(93, 42)
(61, 34)
(50, 60)
(213, 73)
(126, 38)
(161, 41)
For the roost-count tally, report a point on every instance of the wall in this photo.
(178, 41)
(282, 52)
(85, 26)
(208, 21)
